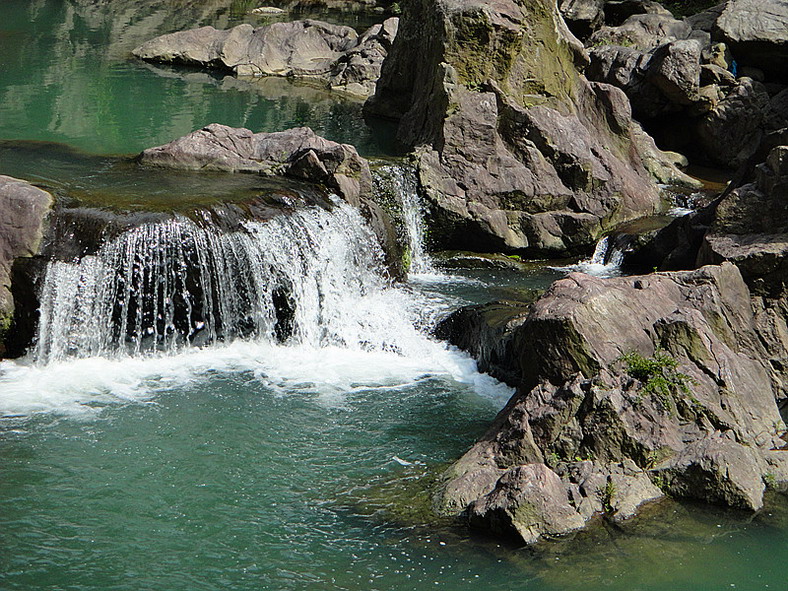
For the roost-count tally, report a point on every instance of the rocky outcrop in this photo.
(517, 152)
(297, 153)
(757, 33)
(23, 210)
(748, 226)
(681, 77)
(676, 391)
(330, 54)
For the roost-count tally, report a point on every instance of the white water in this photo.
(605, 262)
(116, 326)
(401, 183)
(159, 285)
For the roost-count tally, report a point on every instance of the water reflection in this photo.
(66, 76)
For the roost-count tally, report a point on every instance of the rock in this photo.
(705, 433)
(720, 471)
(776, 114)
(486, 331)
(714, 74)
(529, 502)
(674, 68)
(757, 33)
(582, 16)
(297, 153)
(618, 11)
(332, 54)
(268, 10)
(643, 32)
(24, 210)
(705, 20)
(730, 133)
(750, 228)
(517, 154)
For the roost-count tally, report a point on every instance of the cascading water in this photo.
(400, 183)
(311, 277)
(608, 253)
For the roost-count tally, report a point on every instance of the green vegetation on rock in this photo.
(659, 376)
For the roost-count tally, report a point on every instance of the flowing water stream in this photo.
(258, 408)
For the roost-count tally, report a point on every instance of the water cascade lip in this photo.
(299, 302)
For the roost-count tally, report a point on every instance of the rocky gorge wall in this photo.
(516, 150)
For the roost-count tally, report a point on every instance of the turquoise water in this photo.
(67, 76)
(253, 466)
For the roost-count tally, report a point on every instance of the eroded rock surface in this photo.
(589, 434)
(23, 210)
(334, 55)
(516, 150)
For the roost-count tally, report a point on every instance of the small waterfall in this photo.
(600, 251)
(399, 183)
(312, 277)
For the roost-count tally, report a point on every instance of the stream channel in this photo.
(246, 463)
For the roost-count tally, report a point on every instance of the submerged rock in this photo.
(517, 152)
(297, 153)
(23, 210)
(332, 54)
(675, 389)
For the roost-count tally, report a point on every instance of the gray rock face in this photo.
(23, 210)
(583, 16)
(750, 228)
(643, 32)
(732, 130)
(757, 32)
(297, 153)
(706, 435)
(332, 54)
(518, 153)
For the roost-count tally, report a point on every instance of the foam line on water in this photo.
(84, 385)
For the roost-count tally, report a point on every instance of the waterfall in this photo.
(600, 251)
(399, 184)
(310, 277)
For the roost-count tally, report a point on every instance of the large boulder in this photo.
(757, 33)
(333, 54)
(582, 16)
(643, 32)
(517, 151)
(674, 389)
(297, 153)
(23, 211)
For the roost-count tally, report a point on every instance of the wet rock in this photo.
(297, 153)
(528, 502)
(757, 33)
(335, 55)
(23, 211)
(611, 433)
(487, 331)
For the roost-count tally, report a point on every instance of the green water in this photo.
(67, 76)
(251, 466)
